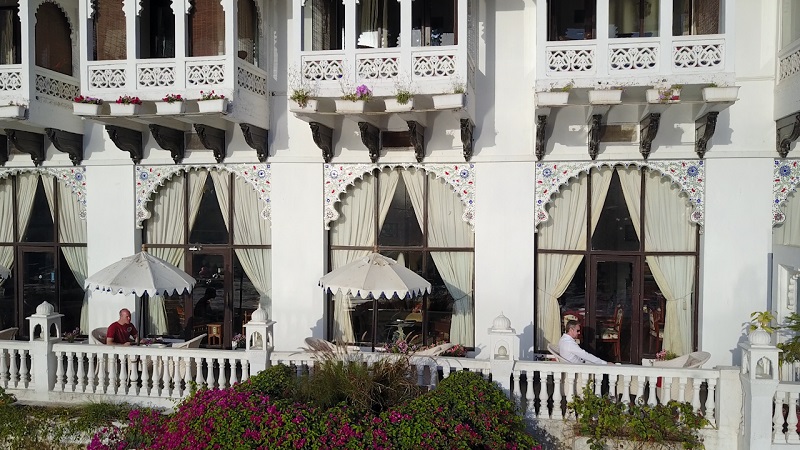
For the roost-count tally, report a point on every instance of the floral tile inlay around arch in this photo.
(461, 177)
(150, 178)
(689, 175)
(785, 180)
(72, 178)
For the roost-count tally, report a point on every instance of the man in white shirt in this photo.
(571, 351)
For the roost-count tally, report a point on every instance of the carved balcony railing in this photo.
(789, 61)
(43, 96)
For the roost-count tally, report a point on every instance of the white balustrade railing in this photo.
(58, 86)
(16, 366)
(788, 61)
(11, 78)
(692, 53)
(251, 78)
(785, 427)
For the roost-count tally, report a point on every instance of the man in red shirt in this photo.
(122, 331)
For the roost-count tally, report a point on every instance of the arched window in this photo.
(416, 219)
(248, 31)
(157, 29)
(108, 32)
(43, 241)
(208, 223)
(620, 255)
(53, 43)
(10, 33)
(206, 28)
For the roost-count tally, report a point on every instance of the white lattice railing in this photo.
(690, 53)
(789, 61)
(11, 78)
(251, 78)
(60, 87)
(16, 366)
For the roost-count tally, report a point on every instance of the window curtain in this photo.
(369, 33)
(788, 233)
(71, 229)
(249, 229)
(166, 227)
(6, 223)
(566, 230)
(26, 192)
(7, 36)
(356, 227)
(667, 228)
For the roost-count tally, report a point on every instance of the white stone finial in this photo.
(259, 315)
(501, 323)
(45, 309)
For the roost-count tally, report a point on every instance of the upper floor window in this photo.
(692, 17)
(433, 23)
(10, 33)
(633, 18)
(157, 30)
(247, 44)
(377, 23)
(790, 22)
(53, 43)
(323, 25)
(207, 28)
(571, 20)
(108, 32)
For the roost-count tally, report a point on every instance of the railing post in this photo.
(43, 360)
(728, 405)
(259, 341)
(759, 378)
(504, 344)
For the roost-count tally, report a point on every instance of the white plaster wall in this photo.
(734, 253)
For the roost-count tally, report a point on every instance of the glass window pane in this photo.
(377, 23)
(109, 31)
(692, 17)
(433, 23)
(323, 25)
(247, 294)
(571, 20)
(206, 28)
(247, 24)
(8, 302)
(401, 226)
(633, 18)
(615, 229)
(40, 225)
(209, 226)
(157, 30)
(72, 293)
(38, 271)
(10, 37)
(790, 22)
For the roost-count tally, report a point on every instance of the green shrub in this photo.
(277, 381)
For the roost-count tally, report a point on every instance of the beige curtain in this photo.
(667, 228)
(7, 37)
(788, 233)
(566, 230)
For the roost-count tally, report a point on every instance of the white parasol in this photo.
(375, 276)
(141, 274)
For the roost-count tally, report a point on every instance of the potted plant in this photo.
(555, 95)
(664, 93)
(86, 106)
(453, 100)
(171, 104)
(70, 336)
(720, 93)
(759, 327)
(126, 105)
(211, 102)
(403, 99)
(13, 110)
(237, 341)
(353, 101)
(303, 93)
(605, 94)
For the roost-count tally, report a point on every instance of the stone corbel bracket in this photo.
(212, 139)
(417, 136)
(541, 136)
(595, 134)
(127, 140)
(3, 150)
(170, 139)
(371, 137)
(258, 139)
(787, 130)
(323, 137)
(66, 142)
(467, 138)
(649, 126)
(703, 132)
(28, 142)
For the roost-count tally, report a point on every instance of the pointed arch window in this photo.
(10, 33)
(206, 28)
(53, 39)
(157, 29)
(247, 44)
(108, 31)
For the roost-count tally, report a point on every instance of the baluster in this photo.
(791, 419)
(70, 376)
(161, 368)
(91, 374)
(666, 390)
(651, 390)
(222, 380)
(80, 383)
(210, 362)
(134, 365)
(530, 396)
(149, 385)
(234, 375)
(558, 394)
(626, 389)
(245, 370)
(219, 363)
(14, 373)
(199, 380)
(682, 389)
(696, 397)
(578, 386)
(598, 383)
(640, 379)
(102, 361)
(711, 403)
(4, 375)
(569, 388)
(25, 374)
(513, 392)
(777, 418)
(123, 374)
(60, 384)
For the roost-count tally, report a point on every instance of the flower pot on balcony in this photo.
(86, 109)
(12, 112)
(721, 94)
(350, 106)
(392, 105)
(448, 101)
(121, 109)
(166, 108)
(219, 105)
(559, 98)
(605, 96)
(311, 106)
(663, 95)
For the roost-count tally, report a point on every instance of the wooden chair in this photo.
(571, 315)
(656, 332)
(214, 334)
(554, 351)
(610, 332)
(99, 335)
(181, 315)
(8, 334)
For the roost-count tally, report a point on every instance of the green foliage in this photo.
(791, 348)
(660, 426)
(403, 97)
(277, 381)
(301, 96)
(761, 319)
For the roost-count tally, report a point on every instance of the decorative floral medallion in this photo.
(461, 177)
(72, 178)
(689, 175)
(785, 180)
(150, 178)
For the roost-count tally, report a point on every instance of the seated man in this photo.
(571, 351)
(122, 331)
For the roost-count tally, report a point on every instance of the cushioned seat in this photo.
(694, 360)
(99, 335)
(8, 334)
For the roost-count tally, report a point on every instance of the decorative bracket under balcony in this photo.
(3, 150)
(417, 136)
(170, 139)
(127, 140)
(595, 133)
(541, 137)
(649, 126)
(467, 140)
(787, 131)
(258, 139)
(371, 137)
(66, 142)
(212, 139)
(28, 142)
(703, 131)
(323, 137)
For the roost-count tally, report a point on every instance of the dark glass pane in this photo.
(245, 296)
(8, 303)
(569, 20)
(176, 315)
(40, 226)
(157, 30)
(439, 305)
(433, 23)
(572, 302)
(615, 229)
(401, 227)
(694, 17)
(377, 24)
(361, 315)
(72, 293)
(326, 20)
(633, 18)
(209, 227)
(613, 310)
(10, 35)
(38, 272)
(208, 298)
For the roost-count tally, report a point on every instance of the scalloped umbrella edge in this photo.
(375, 276)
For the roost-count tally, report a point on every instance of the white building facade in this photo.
(648, 216)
